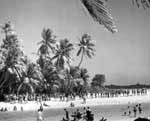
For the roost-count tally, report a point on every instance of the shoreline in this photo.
(55, 104)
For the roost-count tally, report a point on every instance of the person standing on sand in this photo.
(129, 111)
(78, 115)
(134, 111)
(41, 107)
(139, 108)
(67, 114)
(40, 115)
(84, 114)
(84, 99)
(89, 114)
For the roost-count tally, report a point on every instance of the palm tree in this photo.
(50, 74)
(6, 80)
(85, 76)
(82, 82)
(7, 28)
(31, 77)
(47, 43)
(85, 47)
(11, 55)
(100, 13)
(47, 46)
(66, 83)
(62, 55)
(74, 72)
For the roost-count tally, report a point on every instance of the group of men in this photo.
(86, 115)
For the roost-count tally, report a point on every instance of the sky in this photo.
(123, 57)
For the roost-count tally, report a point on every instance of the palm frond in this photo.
(92, 53)
(99, 12)
(144, 3)
(89, 48)
(88, 54)
(91, 44)
(41, 42)
(54, 57)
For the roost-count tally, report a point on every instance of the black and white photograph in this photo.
(74, 60)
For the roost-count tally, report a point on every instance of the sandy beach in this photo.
(56, 103)
(111, 108)
(111, 112)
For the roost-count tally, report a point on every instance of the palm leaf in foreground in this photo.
(99, 12)
(144, 3)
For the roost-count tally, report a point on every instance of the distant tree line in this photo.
(127, 86)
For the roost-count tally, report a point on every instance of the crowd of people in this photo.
(24, 98)
(3, 109)
(119, 92)
(40, 98)
(133, 110)
(86, 115)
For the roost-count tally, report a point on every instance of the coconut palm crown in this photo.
(62, 56)
(11, 54)
(47, 44)
(85, 47)
(31, 77)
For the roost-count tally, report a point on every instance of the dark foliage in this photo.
(141, 119)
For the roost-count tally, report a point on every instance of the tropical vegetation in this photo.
(52, 73)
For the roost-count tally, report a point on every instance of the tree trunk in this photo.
(2, 79)
(20, 76)
(31, 88)
(81, 59)
(5, 76)
(10, 89)
(19, 88)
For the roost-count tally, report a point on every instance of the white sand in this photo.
(55, 103)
